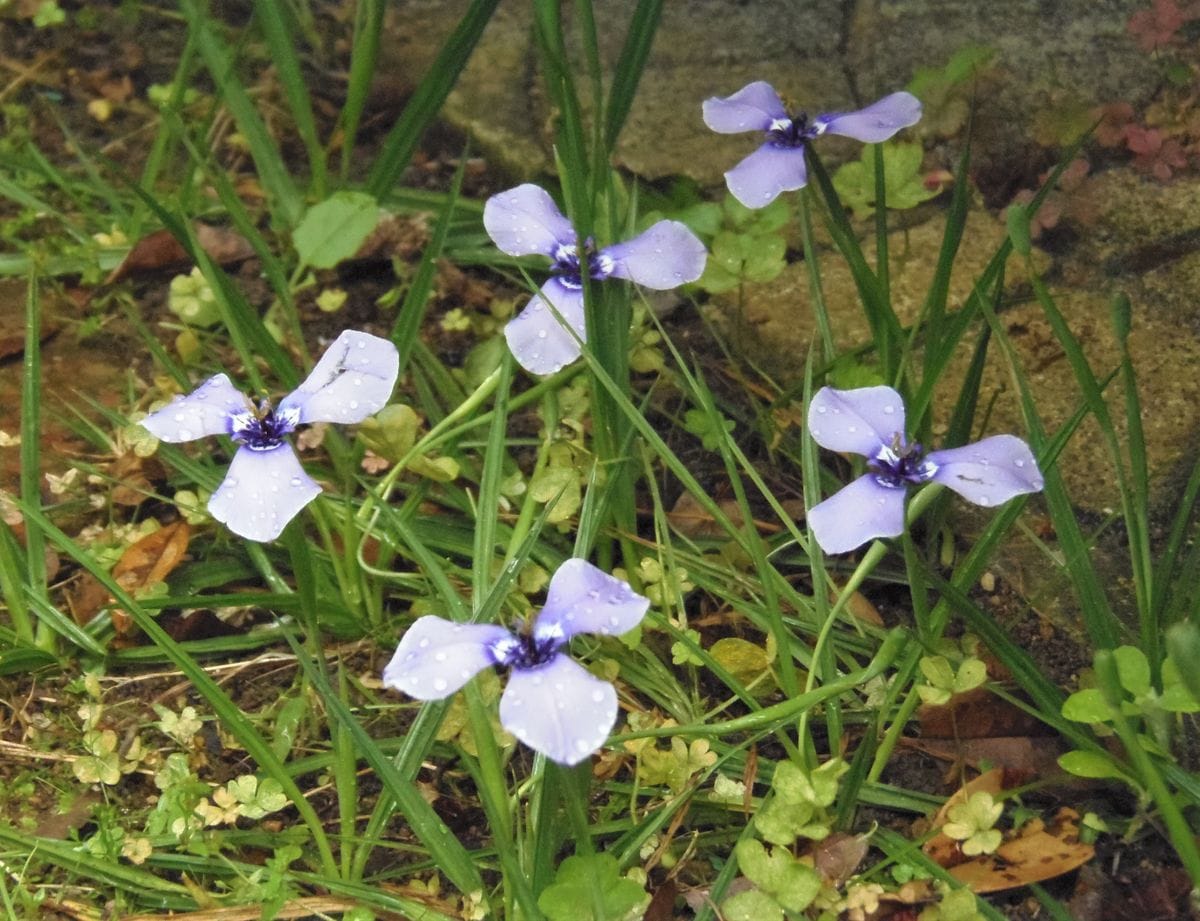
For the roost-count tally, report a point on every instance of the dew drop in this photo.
(852, 428)
(439, 684)
(358, 382)
(439, 656)
(985, 500)
(594, 594)
(582, 746)
(179, 417)
(296, 481)
(1019, 463)
(889, 409)
(822, 410)
(231, 482)
(542, 334)
(354, 404)
(424, 642)
(597, 696)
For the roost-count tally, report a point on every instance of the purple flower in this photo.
(551, 703)
(870, 421)
(266, 486)
(778, 165)
(525, 221)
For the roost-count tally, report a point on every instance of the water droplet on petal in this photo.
(597, 696)
(424, 642)
(440, 656)
(822, 410)
(296, 481)
(439, 684)
(1019, 463)
(889, 409)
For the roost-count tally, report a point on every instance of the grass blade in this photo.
(284, 198)
(643, 26)
(272, 18)
(426, 102)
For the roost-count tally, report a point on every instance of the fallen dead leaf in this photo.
(977, 714)
(1029, 756)
(691, 519)
(1036, 852)
(161, 251)
(837, 856)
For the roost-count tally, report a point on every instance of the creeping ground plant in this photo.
(870, 421)
(266, 486)
(778, 165)
(551, 703)
(525, 221)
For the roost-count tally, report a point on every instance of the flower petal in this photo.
(436, 656)
(855, 421)
(353, 380)
(525, 220)
(559, 709)
(752, 108)
(262, 492)
(664, 256)
(539, 342)
(585, 599)
(857, 513)
(877, 122)
(759, 178)
(204, 411)
(988, 472)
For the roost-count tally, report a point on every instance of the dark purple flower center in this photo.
(791, 132)
(899, 464)
(567, 264)
(524, 651)
(263, 430)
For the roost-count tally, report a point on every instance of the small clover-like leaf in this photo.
(971, 823)
(570, 896)
(181, 727)
(751, 905)
(1133, 668)
(1087, 706)
(791, 883)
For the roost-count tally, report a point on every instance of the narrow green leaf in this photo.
(282, 194)
(425, 103)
